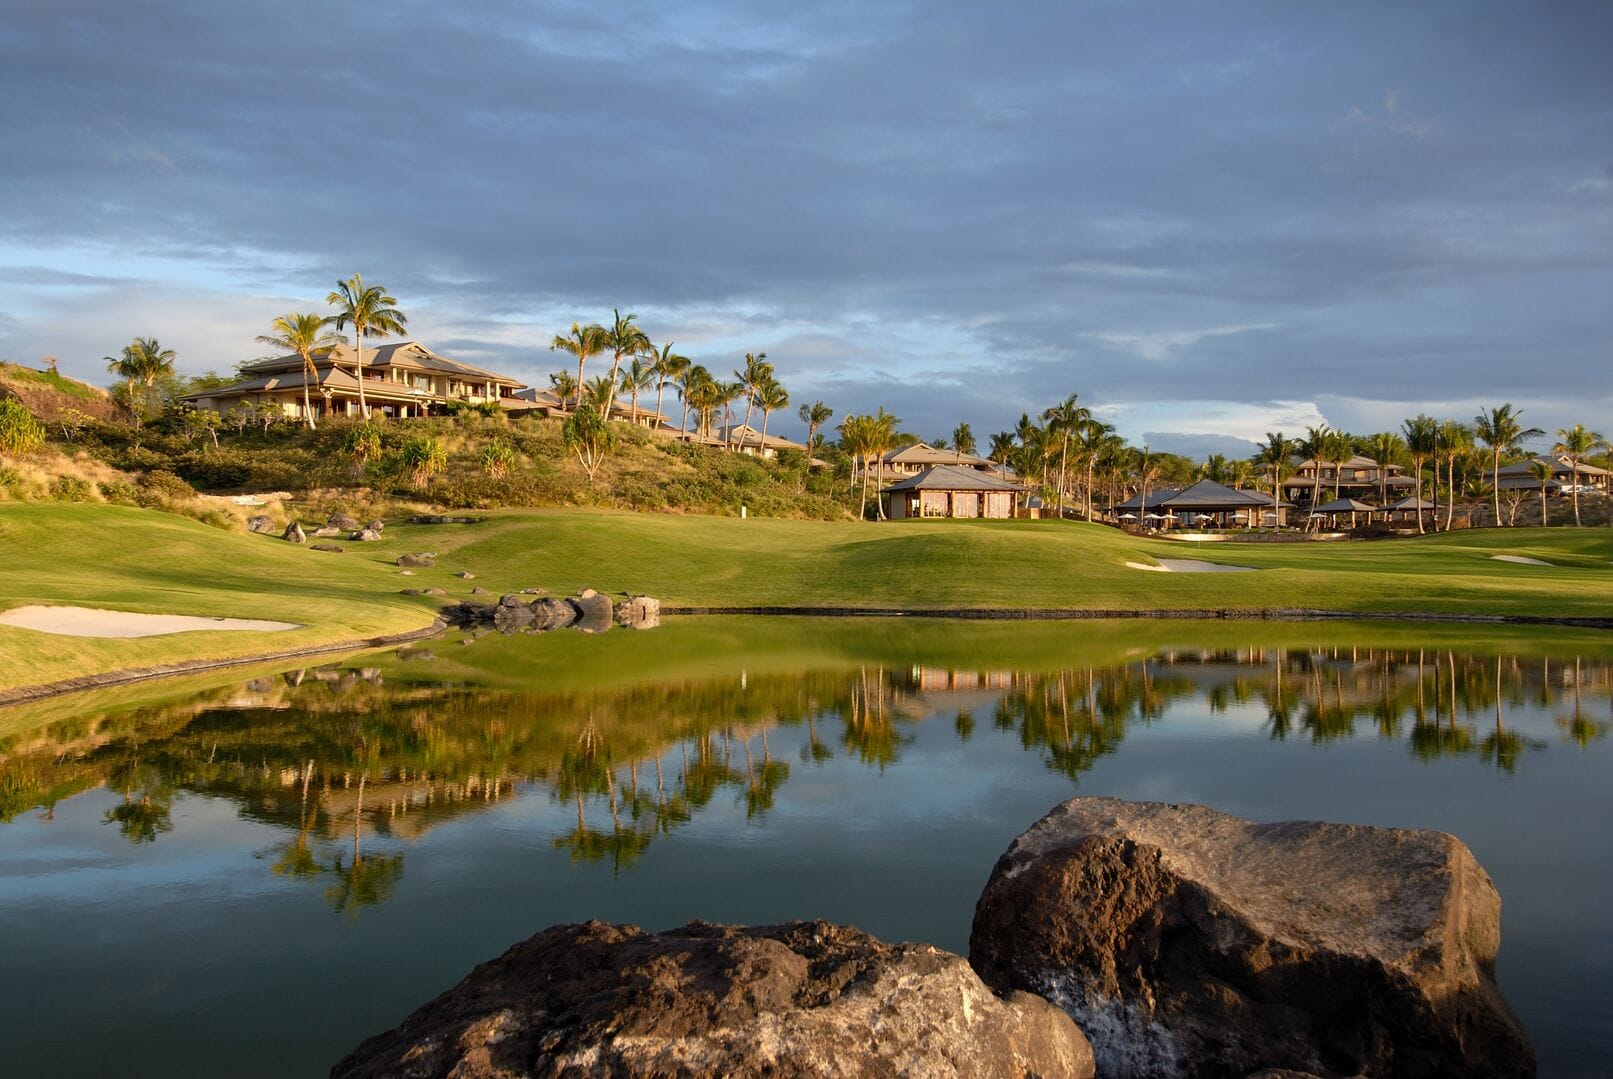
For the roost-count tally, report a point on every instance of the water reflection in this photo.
(347, 758)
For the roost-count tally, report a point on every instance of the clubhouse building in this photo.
(953, 491)
(1205, 504)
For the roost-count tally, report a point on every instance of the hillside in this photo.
(51, 396)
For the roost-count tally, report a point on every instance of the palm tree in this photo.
(598, 393)
(691, 387)
(1273, 456)
(639, 378)
(1422, 442)
(1455, 439)
(584, 342)
(854, 441)
(756, 373)
(625, 339)
(1574, 443)
(303, 334)
(667, 366)
(963, 442)
(1337, 449)
(770, 398)
(1542, 471)
(1500, 429)
(563, 384)
(1314, 446)
(1387, 448)
(1002, 448)
(1092, 435)
(727, 393)
(373, 313)
(814, 416)
(1064, 420)
(142, 360)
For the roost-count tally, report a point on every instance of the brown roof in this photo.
(953, 478)
(922, 453)
(404, 354)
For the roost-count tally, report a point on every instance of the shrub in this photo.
(120, 493)
(166, 487)
(71, 489)
(20, 433)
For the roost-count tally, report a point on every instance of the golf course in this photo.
(148, 562)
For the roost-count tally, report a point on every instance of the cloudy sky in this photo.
(1208, 221)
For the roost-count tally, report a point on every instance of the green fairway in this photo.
(139, 560)
(717, 561)
(157, 563)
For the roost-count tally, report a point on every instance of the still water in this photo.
(248, 874)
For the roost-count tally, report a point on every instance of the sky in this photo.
(1208, 221)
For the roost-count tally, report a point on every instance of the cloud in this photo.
(1160, 346)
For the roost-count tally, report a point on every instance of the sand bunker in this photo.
(1190, 565)
(89, 622)
(1522, 560)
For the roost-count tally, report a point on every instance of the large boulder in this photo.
(367, 535)
(508, 618)
(294, 533)
(640, 612)
(552, 613)
(1187, 942)
(343, 522)
(420, 560)
(593, 611)
(802, 999)
(262, 524)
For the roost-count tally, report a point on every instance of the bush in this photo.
(71, 489)
(164, 486)
(120, 493)
(20, 433)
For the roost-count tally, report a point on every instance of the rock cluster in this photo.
(801, 999)
(1187, 942)
(588, 611)
(439, 519)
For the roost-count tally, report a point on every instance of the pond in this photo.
(250, 872)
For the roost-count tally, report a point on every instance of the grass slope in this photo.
(140, 560)
(1047, 564)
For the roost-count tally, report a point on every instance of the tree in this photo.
(639, 378)
(1064, 420)
(770, 397)
(303, 334)
(1575, 443)
(1092, 435)
(599, 392)
(696, 389)
(963, 442)
(1337, 450)
(1542, 472)
(1273, 457)
(1314, 446)
(624, 339)
(142, 361)
(1387, 448)
(814, 416)
(423, 458)
(855, 441)
(372, 312)
(1455, 439)
(1002, 450)
(585, 342)
(726, 394)
(881, 437)
(362, 444)
(564, 386)
(1502, 432)
(589, 436)
(20, 433)
(1422, 442)
(756, 373)
(667, 366)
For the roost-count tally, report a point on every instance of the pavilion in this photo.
(1204, 502)
(952, 491)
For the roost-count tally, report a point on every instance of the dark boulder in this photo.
(331, 547)
(262, 524)
(420, 560)
(552, 613)
(1187, 942)
(366, 535)
(802, 999)
(343, 522)
(375, 526)
(509, 619)
(294, 533)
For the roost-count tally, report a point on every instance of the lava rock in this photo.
(509, 619)
(640, 612)
(331, 547)
(466, 575)
(593, 611)
(375, 526)
(551, 613)
(262, 525)
(801, 999)
(419, 560)
(342, 522)
(1187, 942)
(327, 532)
(366, 535)
(294, 533)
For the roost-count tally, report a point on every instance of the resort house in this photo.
(402, 379)
(911, 460)
(952, 491)
(1205, 504)
(1360, 478)
(1520, 476)
(743, 438)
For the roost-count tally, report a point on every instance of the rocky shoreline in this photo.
(1113, 938)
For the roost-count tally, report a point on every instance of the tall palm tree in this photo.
(854, 441)
(770, 398)
(584, 342)
(1273, 457)
(1091, 437)
(1002, 449)
(963, 441)
(881, 438)
(814, 416)
(1501, 430)
(667, 365)
(1422, 442)
(727, 394)
(1575, 443)
(1314, 446)
(1542, 472)
(142, 360)
(691, 386)
(563, 384)
(1387, 448)
(1063, 421)
(626, 339)
(638, 379)
(1455, 440)
(1337, 449)
(373, 312)
(752, 377)
(303, 334)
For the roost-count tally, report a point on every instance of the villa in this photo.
(1203, 503)
(1520, 476)
(743, 438)
(952, 491)
(911, 460)
(1360, 478)
(400, 380)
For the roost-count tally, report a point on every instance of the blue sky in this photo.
(1208, 221)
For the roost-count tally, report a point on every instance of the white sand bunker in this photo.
(1522, 560)
(90, 622)
(1190, 565)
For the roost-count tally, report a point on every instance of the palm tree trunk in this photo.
(660, 389)
(615, 366)
(358, 369)
(1544, 523)
(1064, 456)
(1495, 484)
(1450, 492)
(576, 397)
(1573, 465)
(308, 371)
(1092, 462)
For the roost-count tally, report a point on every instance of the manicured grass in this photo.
(714, 561)
(157, 563)
(142, 560)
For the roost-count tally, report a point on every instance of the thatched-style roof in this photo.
(953, 478)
